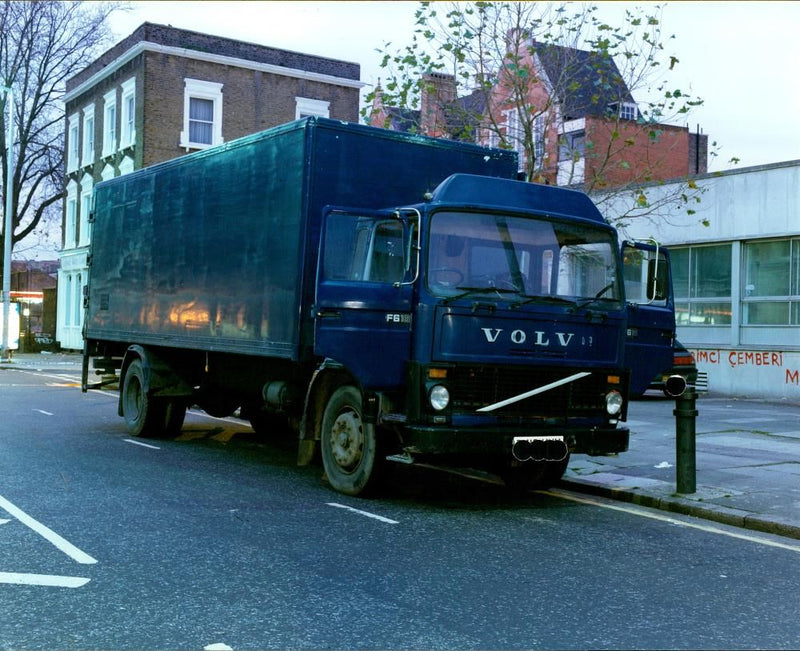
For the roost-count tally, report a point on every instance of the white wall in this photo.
(739, 206)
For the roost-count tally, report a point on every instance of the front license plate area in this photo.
(539, 448)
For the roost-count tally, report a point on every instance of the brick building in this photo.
(587, 130)
(163, 92)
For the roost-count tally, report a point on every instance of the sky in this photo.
(739, 57)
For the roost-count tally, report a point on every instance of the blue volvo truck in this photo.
(391, 297)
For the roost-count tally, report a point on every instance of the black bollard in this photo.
(685, 457)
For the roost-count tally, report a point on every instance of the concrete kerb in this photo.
(687, 506)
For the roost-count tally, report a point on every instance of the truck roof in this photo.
(467, 189)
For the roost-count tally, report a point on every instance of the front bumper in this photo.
(496, 441)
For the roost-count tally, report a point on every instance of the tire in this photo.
(144, 415)
(349, 446)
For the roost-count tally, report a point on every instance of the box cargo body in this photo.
(217, 251)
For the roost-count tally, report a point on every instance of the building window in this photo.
(305, 107)
(571, 146)
(109, 123)
(73, 143)
(128, 122)
(202, 114)
(624, 110)
(68, 300)
(71, 217)
(701, 277)
(538, 140)
(77, 304)
(771, 293)
(491, 139)
(87, 155)
(515, 135)
(85, 209)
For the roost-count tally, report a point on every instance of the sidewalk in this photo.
(748, 458)
(747, 463)
(44, 361)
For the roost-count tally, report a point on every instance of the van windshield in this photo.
(522, 259)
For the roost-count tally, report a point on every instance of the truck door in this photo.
(363, 315)
(651, 313)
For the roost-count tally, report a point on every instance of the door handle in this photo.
(324, 313)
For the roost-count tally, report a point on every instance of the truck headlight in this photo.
(613, 403)
(439, 397)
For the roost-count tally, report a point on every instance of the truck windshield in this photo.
(522, 259)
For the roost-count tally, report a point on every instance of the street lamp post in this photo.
(9, 222)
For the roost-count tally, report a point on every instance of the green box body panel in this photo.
(217, 250)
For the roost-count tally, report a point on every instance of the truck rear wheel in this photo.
(144, 415)
(349, 445)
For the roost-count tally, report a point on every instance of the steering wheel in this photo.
(456, 276)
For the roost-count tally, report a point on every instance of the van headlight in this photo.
(439, 397)
(613, 403)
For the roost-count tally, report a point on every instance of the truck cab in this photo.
(482, 327)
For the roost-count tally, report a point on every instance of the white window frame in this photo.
(515, 135)
(71, 215)
(87, 185)
(628, 111)
(199, 89)
(307, 107)
(87, 153)
(128, 111)
(73, 142)
(110, 122)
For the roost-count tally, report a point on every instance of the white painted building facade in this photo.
(737, 279)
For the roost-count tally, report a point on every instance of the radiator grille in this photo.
(473, 387)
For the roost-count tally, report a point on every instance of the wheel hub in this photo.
(347, 440)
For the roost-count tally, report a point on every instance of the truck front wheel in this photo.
(349, 445)
(143, 414)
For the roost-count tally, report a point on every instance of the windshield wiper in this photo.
(547, 299)
(584, 302)
(479, 290)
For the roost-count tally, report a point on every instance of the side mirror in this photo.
(656, 280)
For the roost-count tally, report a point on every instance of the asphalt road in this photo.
(218, 540)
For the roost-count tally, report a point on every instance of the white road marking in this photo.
(144, 445)
(72, 379)
(4, 521)
(364, 513)
(655, 515)
(48, 534)
(42, 411)
(43, 579)
(105, 393)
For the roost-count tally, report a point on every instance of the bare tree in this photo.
(42, 44)
(529, 75)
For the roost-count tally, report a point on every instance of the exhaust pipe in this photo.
(675, 386)
(539, 448)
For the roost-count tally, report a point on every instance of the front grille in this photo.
(473, 387)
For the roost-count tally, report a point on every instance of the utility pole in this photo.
(9, 221)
